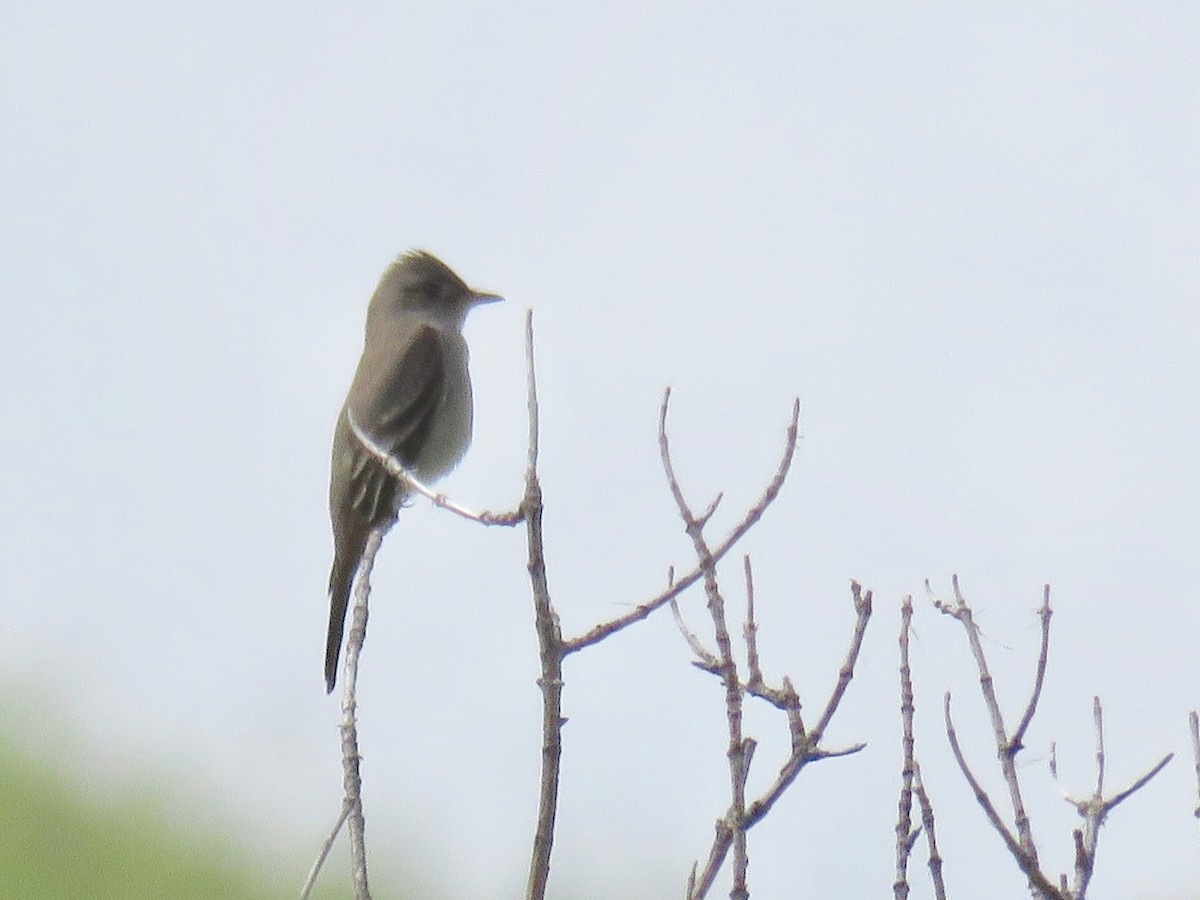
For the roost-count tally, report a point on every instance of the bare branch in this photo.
(739, 748)
(351, 775)
(702, 519)
(805, 748)
(664, 449)
(822, 753)
(550, 647)
(935, 859)
(1122, 796)
(326, 846)
(862, 607)
(600, 632)
(1018, 738)
(1027, 862)
(783, 697)
(397, 469)
(750, 629)
(730, 833)
(1005, 748)
(705, 658)
(1194, 727)
(1095, 809)
(531, 399)
(905, 836)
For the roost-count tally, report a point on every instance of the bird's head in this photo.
(420, 282)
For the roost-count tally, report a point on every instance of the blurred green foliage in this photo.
(57, 843)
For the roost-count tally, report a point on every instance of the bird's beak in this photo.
(480, 299)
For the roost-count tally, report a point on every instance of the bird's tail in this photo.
(341, 578)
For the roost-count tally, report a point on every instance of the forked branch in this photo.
(1093, 809)
(741, 815)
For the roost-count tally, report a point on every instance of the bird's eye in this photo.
(427, 291)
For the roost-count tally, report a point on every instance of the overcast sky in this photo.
(965, 238)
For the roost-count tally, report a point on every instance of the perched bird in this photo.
(412, 395)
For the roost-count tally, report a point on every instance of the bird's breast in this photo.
(450, 426)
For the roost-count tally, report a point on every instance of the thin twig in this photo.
(351, 775)
(738, 750)
(599, 632)
(1017, 741)
(804, 750)
(549, 643)
(531, 398)
(862, 608)
(326, 846)
(928, 825)
(750, 629)
(730, 830)
(1095, 809)
(784, 697)
(1093, 812)
(905, 835)
(807, 749)
(398, 470)
(1194, 727)
(1122, 796)
(1005, 748)
(1027, 862)
(705, 658)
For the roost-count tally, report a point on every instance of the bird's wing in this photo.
(407, 397)
(396, 412)
(396, 409)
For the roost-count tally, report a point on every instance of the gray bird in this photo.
(411, 394)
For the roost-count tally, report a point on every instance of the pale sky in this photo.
(965, 238)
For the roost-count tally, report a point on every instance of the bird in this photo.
(411, 393)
